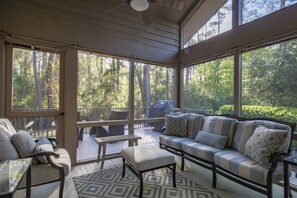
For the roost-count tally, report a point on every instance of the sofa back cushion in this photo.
(6, 124)
(245, 130)
(7, 149)
(195, 123)
(221, 126)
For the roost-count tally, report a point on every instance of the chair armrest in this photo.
(54, 142)
(47, 154)
(275, 158)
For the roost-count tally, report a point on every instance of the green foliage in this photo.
(280, 113)
(209, 85)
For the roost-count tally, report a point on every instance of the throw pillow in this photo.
(263, 143)
(211, 139)
(42, 145)
(176, 125)
(23, 143)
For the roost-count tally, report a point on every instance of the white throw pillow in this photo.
(263, 143)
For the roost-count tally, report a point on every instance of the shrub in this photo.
(288, 114)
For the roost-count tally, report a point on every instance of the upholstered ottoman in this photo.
(140, 159)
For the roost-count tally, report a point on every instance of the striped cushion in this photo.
(173, 141)
(245, 129)
(221, 126)
(195, 123)
(200, 150)
(243, 166)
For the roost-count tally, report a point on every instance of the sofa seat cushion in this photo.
(195, 123)
(245, 130)
(243, 166)
(174, 141)
(221, 126)
(200, 150)
(44, 173)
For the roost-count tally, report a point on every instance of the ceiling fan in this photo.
(143, 5)
(140, 5)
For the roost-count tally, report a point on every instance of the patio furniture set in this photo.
(247, 151)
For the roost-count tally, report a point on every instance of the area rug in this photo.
(158, 183)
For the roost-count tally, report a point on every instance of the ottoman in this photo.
(140, 159)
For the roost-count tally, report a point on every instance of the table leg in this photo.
(173, 175)
(136, 142)
(124, 168)
(141, 185)
(28, 183)
(103, 155)
(286, 180)
(99, 152)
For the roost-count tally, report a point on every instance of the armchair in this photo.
(57, 168)
(103, 131)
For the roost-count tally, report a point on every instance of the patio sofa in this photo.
(235, 157)
(51, 166)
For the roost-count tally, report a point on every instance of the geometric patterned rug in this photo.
(157, 183)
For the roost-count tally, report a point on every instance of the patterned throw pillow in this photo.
(263, 143)
(176, 125)
(43, 145)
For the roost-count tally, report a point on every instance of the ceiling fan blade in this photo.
(146, 17)
(173, 4)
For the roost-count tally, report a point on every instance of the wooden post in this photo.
(2, 78)
(70, 103)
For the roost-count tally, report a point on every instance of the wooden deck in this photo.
(88, 149)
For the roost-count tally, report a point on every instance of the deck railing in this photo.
(47, 126)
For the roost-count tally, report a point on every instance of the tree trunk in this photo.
(38, 89)
(48, 80)
(147, 87)
(167, 83)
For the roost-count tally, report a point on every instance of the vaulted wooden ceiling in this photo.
(170, 10)
(104, 26)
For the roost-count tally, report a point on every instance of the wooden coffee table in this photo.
(102, 141)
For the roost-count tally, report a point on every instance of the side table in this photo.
(11, 174)
(287, 161)
(102, 141)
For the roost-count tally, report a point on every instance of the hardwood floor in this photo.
(88, 148)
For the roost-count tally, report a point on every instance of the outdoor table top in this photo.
(109, 139)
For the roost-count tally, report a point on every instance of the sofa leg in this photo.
(269, 190)
(214, 176)
(182, 168)
(61, 188)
